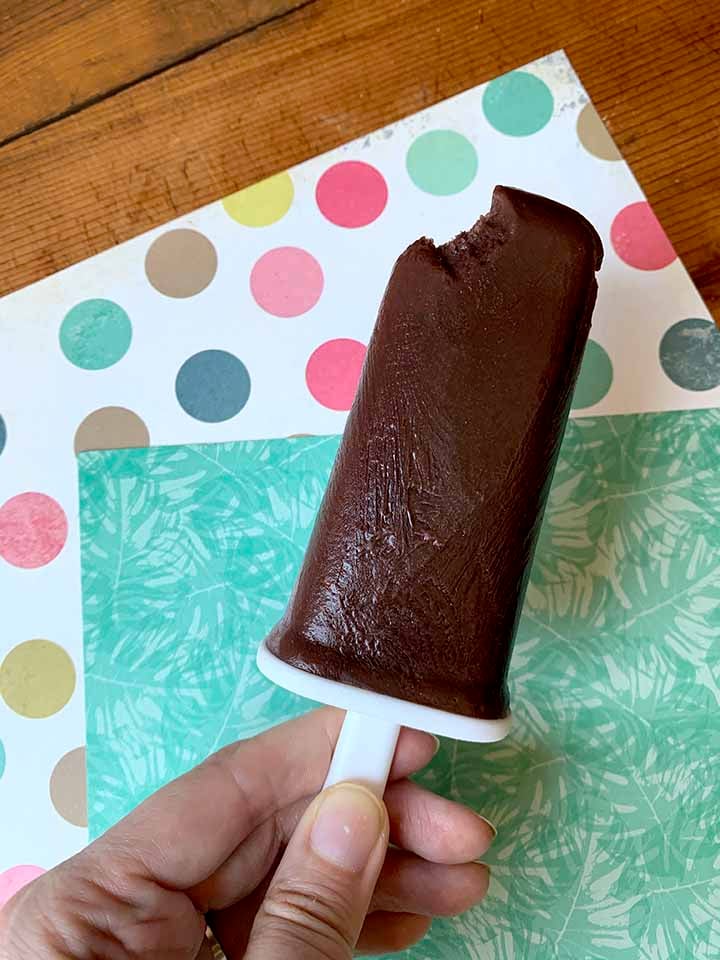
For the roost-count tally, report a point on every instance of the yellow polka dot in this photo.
(37, 678)
(263, 203)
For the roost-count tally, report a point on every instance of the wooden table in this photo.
(121, 114)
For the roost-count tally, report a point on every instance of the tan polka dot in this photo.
(181, 263)
(111, 428)
(37, 678)
(67, 787)
(593, 135)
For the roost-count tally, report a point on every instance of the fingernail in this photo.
(348, 824)
(490, 826)
(437, 744)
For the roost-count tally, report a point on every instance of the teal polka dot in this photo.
(2, 759)
(442, 162)
(690, 354)
(596, 374)
(3, 434)
(518, 103)
(95, 334)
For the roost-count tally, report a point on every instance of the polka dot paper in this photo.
(249, 318)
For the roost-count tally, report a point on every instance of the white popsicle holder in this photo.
(366, 746)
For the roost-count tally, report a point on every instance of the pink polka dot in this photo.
(351, 194)
(638, 238)
(333, 372)
(33, 530)
(15, 879)
(286, 281)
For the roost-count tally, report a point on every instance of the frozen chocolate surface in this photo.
(415, 574)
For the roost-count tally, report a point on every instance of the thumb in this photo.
(316, 903)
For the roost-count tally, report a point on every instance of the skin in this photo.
(233, 845)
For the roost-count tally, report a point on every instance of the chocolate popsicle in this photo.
(414, 577)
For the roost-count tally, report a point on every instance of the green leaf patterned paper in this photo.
(606, 794)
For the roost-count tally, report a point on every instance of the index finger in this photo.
(182, 833)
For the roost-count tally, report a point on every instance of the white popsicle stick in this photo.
(364, 752)
(366, 746)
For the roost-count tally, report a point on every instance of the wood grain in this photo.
(58, 56)
(335, 69)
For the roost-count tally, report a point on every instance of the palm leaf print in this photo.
(605, 793)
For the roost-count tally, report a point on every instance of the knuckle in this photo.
(316, 913)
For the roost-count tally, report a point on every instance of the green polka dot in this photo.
(2, 759)
(95, 334)
(442, 162)
(596, 374)
(518, 103)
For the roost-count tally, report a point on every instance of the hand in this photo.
(207, 849)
